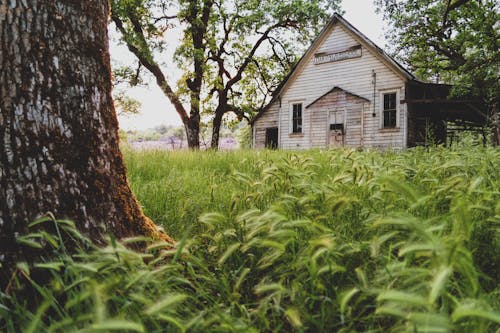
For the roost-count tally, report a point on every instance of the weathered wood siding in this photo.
(337, 108)
(269, 119)
(310, 81)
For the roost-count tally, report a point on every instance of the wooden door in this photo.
(336, 138)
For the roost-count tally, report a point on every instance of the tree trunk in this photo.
(216, 124)
(192, 129)
(140, 50)
(58, 126)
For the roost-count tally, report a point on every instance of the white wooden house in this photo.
(346, 91)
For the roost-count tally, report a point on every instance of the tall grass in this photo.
(316, 241)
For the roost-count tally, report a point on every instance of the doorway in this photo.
(272, 137)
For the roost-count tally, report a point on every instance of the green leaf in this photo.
(346, 297)
(24, 267)
(293, 316)
(395, 311)
(50, 265)
(168, 301)
(117, 325)
(36, 324)
(421, 248)
(269, 288)
(402, 297)
(28, 241)
(173, 321)
(429, 322)
(439, 283)
(229, 251)
(465, 311)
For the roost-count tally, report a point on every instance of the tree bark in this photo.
(192, 128)
(58, 126)
(216, 125)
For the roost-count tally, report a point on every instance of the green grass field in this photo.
(313, 241)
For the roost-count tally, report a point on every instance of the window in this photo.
(337, 127)
(390, 110)
(297, 118)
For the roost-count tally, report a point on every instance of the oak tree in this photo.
(58, 127)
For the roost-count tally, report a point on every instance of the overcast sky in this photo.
(157, 110)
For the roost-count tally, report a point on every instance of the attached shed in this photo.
(340, 127)
(346, 91)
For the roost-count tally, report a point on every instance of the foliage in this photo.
(126, 105)
(244, 136)
(317, 241)
(453, 41)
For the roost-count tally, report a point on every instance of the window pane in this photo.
(390, 118)
(297, 118)
(390, 101)
(390, 110)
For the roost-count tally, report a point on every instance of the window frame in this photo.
(292, 118)
(383, 93)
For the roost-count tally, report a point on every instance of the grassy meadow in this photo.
(274, 241)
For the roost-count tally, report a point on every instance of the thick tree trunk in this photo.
(198, 17)
(58, 126)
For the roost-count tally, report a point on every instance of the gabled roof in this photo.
(337, 18)
(406, 73)
(334, 89)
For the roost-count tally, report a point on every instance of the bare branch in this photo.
(154, 68)
(252, 52)
(238, 111)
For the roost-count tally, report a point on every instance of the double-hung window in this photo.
(390, 110)
(297, 118)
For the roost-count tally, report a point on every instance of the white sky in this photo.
(157, 110)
